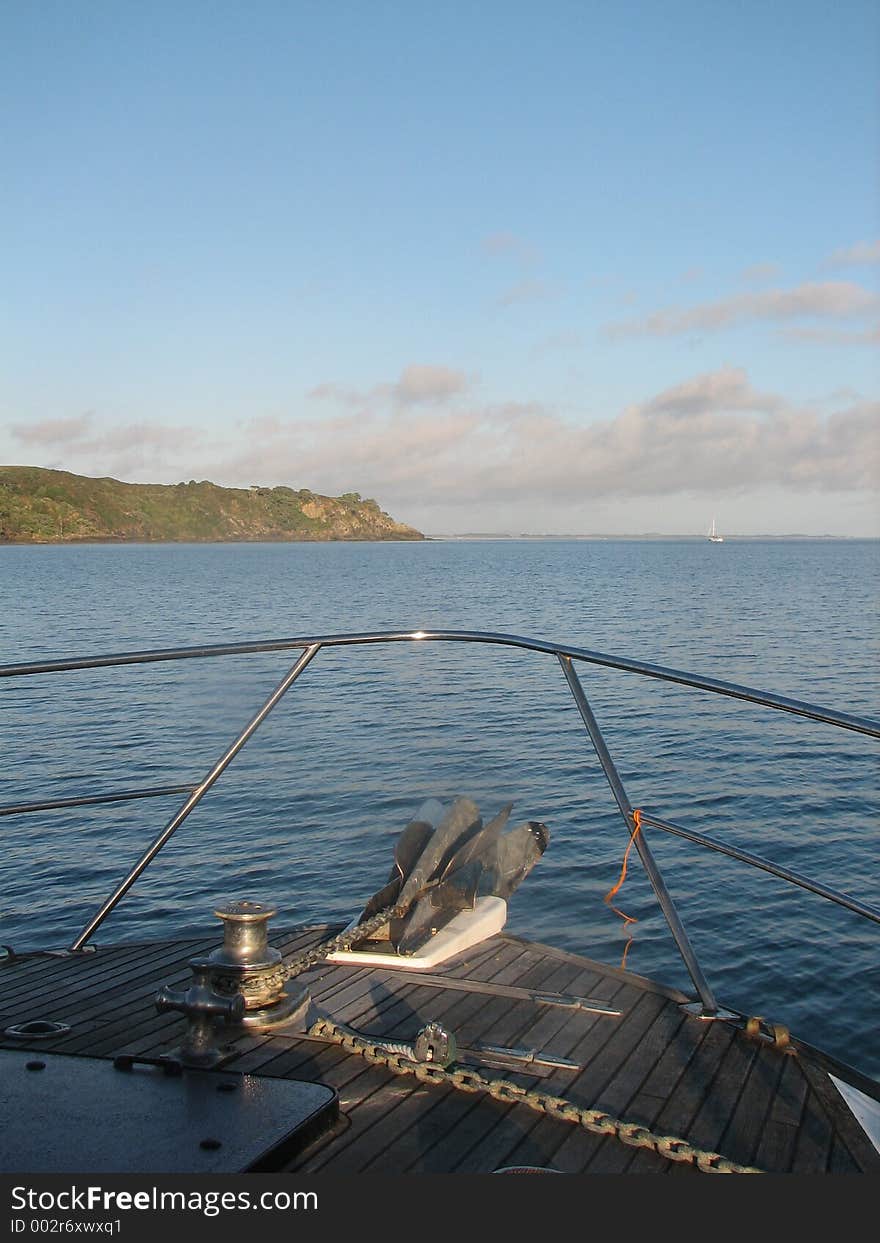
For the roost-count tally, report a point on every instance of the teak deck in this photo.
(653, 1064)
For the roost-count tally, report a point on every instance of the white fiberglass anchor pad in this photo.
(466, 929)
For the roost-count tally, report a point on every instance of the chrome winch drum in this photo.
(246, 963)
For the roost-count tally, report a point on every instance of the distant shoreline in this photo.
(119, 542)
(649, 537)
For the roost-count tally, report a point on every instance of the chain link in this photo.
(342, 941)
(467, 1080)
(400, 1059)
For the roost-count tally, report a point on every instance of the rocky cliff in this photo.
(40, 506)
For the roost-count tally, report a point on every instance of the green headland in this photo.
(39, 506)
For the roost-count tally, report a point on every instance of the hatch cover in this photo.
(64, 1114)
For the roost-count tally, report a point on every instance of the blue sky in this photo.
(520, 267)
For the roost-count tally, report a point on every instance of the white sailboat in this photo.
(714, 537)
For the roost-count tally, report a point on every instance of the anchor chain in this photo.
(671, 1147)
(342, 941)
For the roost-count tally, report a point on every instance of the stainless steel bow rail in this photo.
(566, 656)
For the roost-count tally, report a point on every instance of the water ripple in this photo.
(307, 816)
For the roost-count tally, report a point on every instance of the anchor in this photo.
(441, 872)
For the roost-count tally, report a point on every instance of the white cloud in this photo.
(823, 299)
(758, 273)
(856, 255)
(421, 383)
(418, 384)
(125, 450)
(531, 286)
(508, 245)
(713, 433)
(831, 336)
(723, 390)
(53, 431)
(425, 447)
(527, 291)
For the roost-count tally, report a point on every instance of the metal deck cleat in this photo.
(202, 1008)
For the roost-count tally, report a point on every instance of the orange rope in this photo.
(627, 919)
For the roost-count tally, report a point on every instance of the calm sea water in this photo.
(306, 816)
